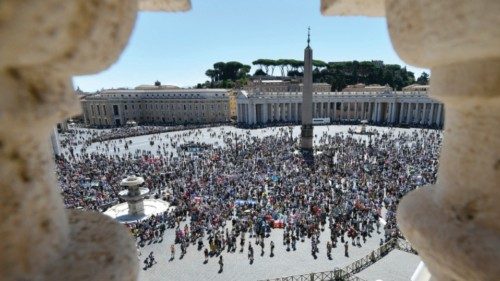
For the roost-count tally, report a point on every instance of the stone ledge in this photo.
(165, 5)
(99, 249)
(372, 8)
(440, 233)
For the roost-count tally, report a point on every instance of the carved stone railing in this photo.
(45, 43)
(455, 225)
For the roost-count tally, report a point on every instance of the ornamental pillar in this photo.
(48, 42)
(455, 223)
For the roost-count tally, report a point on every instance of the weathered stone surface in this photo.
(34, 228)
(429, 33)
(373, 8)
(100, 249)
(44, 43)
(165, 5)
(454, 225)
(72, 37)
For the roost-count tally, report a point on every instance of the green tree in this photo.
(259, 72)
(224, 74)
(423, 79)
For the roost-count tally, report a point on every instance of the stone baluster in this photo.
(44, 43)
(454, 224)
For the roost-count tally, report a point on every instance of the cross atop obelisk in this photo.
(306, 137)
(308, 35)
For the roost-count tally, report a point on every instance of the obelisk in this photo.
(306, 137)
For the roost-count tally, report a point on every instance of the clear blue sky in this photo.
(177, 48)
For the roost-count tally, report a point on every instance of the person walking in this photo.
(272, 249)
(206, 255)
(262, 247)
(172, 252)
(221, 264)
(346, 249)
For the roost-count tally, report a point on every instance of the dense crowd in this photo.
(250, 185)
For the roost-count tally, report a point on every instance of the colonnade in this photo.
(390, 112)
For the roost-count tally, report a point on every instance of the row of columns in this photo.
(423, 113)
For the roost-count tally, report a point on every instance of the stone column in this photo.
(392, 110)
(375, 112)
(56, 145)
(271, 111)
(349, 111)
(334, 104)
(254, 113)
(264, 113)
(355, 110)
(424, 113)
(340, 111)
(44, 44)
(401, 111)
(238, 115)
(439, 114)
(369, 113)
(243, 114)
(408, 113)
(455, 224)
(431, 114)
(247, 114)
(296, 110)
(379, 112)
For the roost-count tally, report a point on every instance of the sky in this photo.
(177, 48)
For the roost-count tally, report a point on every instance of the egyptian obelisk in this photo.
(306, 137)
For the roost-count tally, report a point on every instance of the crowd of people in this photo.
(249, 185)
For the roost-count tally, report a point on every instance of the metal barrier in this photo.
(347, 273)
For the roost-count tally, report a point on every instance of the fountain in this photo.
(136, 207)
(361, 130)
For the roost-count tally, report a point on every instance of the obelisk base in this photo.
(306, 138)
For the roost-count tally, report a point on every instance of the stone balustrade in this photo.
(45, 43)
(455, 224)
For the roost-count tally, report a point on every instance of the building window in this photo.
(126, 108)
(115, 109)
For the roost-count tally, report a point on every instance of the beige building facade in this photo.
(407, 107)
(156, 106)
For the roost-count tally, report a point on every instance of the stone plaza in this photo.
(237, 266)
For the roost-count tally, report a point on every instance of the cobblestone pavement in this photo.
(237, 266)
